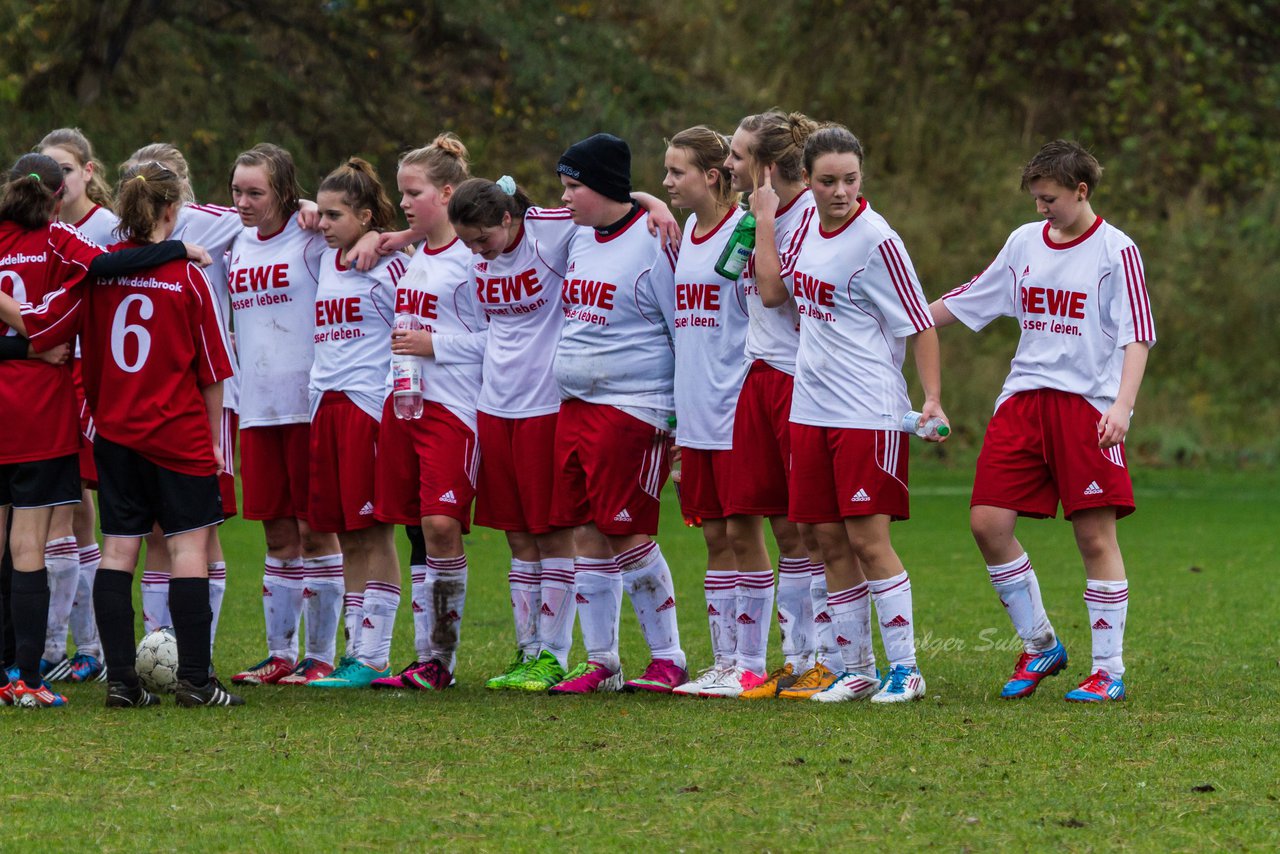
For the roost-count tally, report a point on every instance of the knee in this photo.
(443, 535)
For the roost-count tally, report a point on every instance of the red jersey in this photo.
(42, 269)
(151, 341)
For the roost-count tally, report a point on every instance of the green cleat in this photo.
(513, 675)
(353, 674)
(541, 673)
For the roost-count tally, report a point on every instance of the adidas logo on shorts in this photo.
(448, 498)
(367, 509)
(1093, 489)
(624, 516)
(860, 495)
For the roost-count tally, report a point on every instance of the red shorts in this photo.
(227, 480)
(1041, 447)
(426, 467)
(344, 457)
(275, 470)
(761, 443)
(516, 480)
(837, 473)
(705, 480)
(88, 468)
(609, 469)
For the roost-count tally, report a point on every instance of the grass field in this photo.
(1187, 763)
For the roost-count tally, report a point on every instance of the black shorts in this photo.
(41, 483)
(135, 493)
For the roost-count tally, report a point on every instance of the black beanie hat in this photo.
(601, 162)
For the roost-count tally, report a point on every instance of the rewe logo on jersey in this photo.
(1093, 489)
(624, 516)
(249, 279)
(860, 495)
(814, 290)
(588, 292)
(517, 288)
(898, 622)
(667, 605)
(1038, 300)
(693, 297)
(1102, 624)
(448, 498)
(338, 310)
(367, 509)
(413, 301)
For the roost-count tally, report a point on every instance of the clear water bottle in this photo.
(733, 260)
(934, 428)
(406, 375)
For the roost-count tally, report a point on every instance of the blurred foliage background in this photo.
(1180, 100)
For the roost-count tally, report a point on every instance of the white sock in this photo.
(420, 604)
(217, 590)
(322, 599)
(557, 608)
(825, 649)
(446, 594)
(795, 612)
(84, 626)
(381, 600)
(525, 580)
(1108, 604)
(1019, 592)
(720, 589)
(282, 586)
(63, 562)
(647, 581)
(598, 582)
(353, 620)
(754, 607)
(850, 612)
(155, 601)
(892, 597)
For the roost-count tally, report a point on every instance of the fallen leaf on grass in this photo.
(1207, 787)
(687, 789)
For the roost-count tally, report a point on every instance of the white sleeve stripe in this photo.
(1139, 302)
(788, 260)
(916, 312)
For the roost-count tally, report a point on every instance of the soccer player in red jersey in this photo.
(1076, 285)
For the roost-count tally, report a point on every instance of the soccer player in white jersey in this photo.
(709, 336)
(615, 369)
(427, 465)
(273, 267)
(354, 313)
(860, 301)
(72, 553)
(1076, 286)
(771, 144)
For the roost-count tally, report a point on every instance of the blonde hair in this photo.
(170, 156)
(145, 190)
(444, 161)
(779, 139)
(74, 142)
(707, 149)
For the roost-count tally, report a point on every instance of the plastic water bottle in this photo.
(406, 375)
(933, 428)
(733, 260)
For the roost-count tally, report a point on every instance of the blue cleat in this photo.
(1032, 667)
(1101, 687)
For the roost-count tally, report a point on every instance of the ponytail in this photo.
(31, 192)
(357, 181)
(480, 203)
(145, 191)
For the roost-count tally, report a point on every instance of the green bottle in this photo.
(733, 260)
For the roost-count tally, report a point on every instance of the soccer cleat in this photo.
(211, 693)
(1031, 668)
(513, 675)
(1100, 687)
(397, 681)
(589, 678)
(432, 676)
(848, 686)
(779, 680)
(269, 671)
(355, 674)
(56, 672)
(6, 694)
(85, 668)
(662, 676)
(46, 666)
(693, 688)
(900, 685)
(813, 680)
(122, 696)
(307, 670)
(39, 697)
(541, 673)
(732, 682)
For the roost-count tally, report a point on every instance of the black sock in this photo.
(29, 604)
(192, 623)
(113, 609)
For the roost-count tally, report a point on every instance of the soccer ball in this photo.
(157, 663)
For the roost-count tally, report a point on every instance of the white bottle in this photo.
(406, 375)
(933, 428)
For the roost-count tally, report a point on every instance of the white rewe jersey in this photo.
(215, 227)
(99, 225)
(859, 300)
(1078, 304)
(711, 318)
(774, 333)
(437, 288)
(272, 282)
(520, 293)
(618, 297)
(354, 313)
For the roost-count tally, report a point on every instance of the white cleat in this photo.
(848, 686)
(694, 687)
(901, 684)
